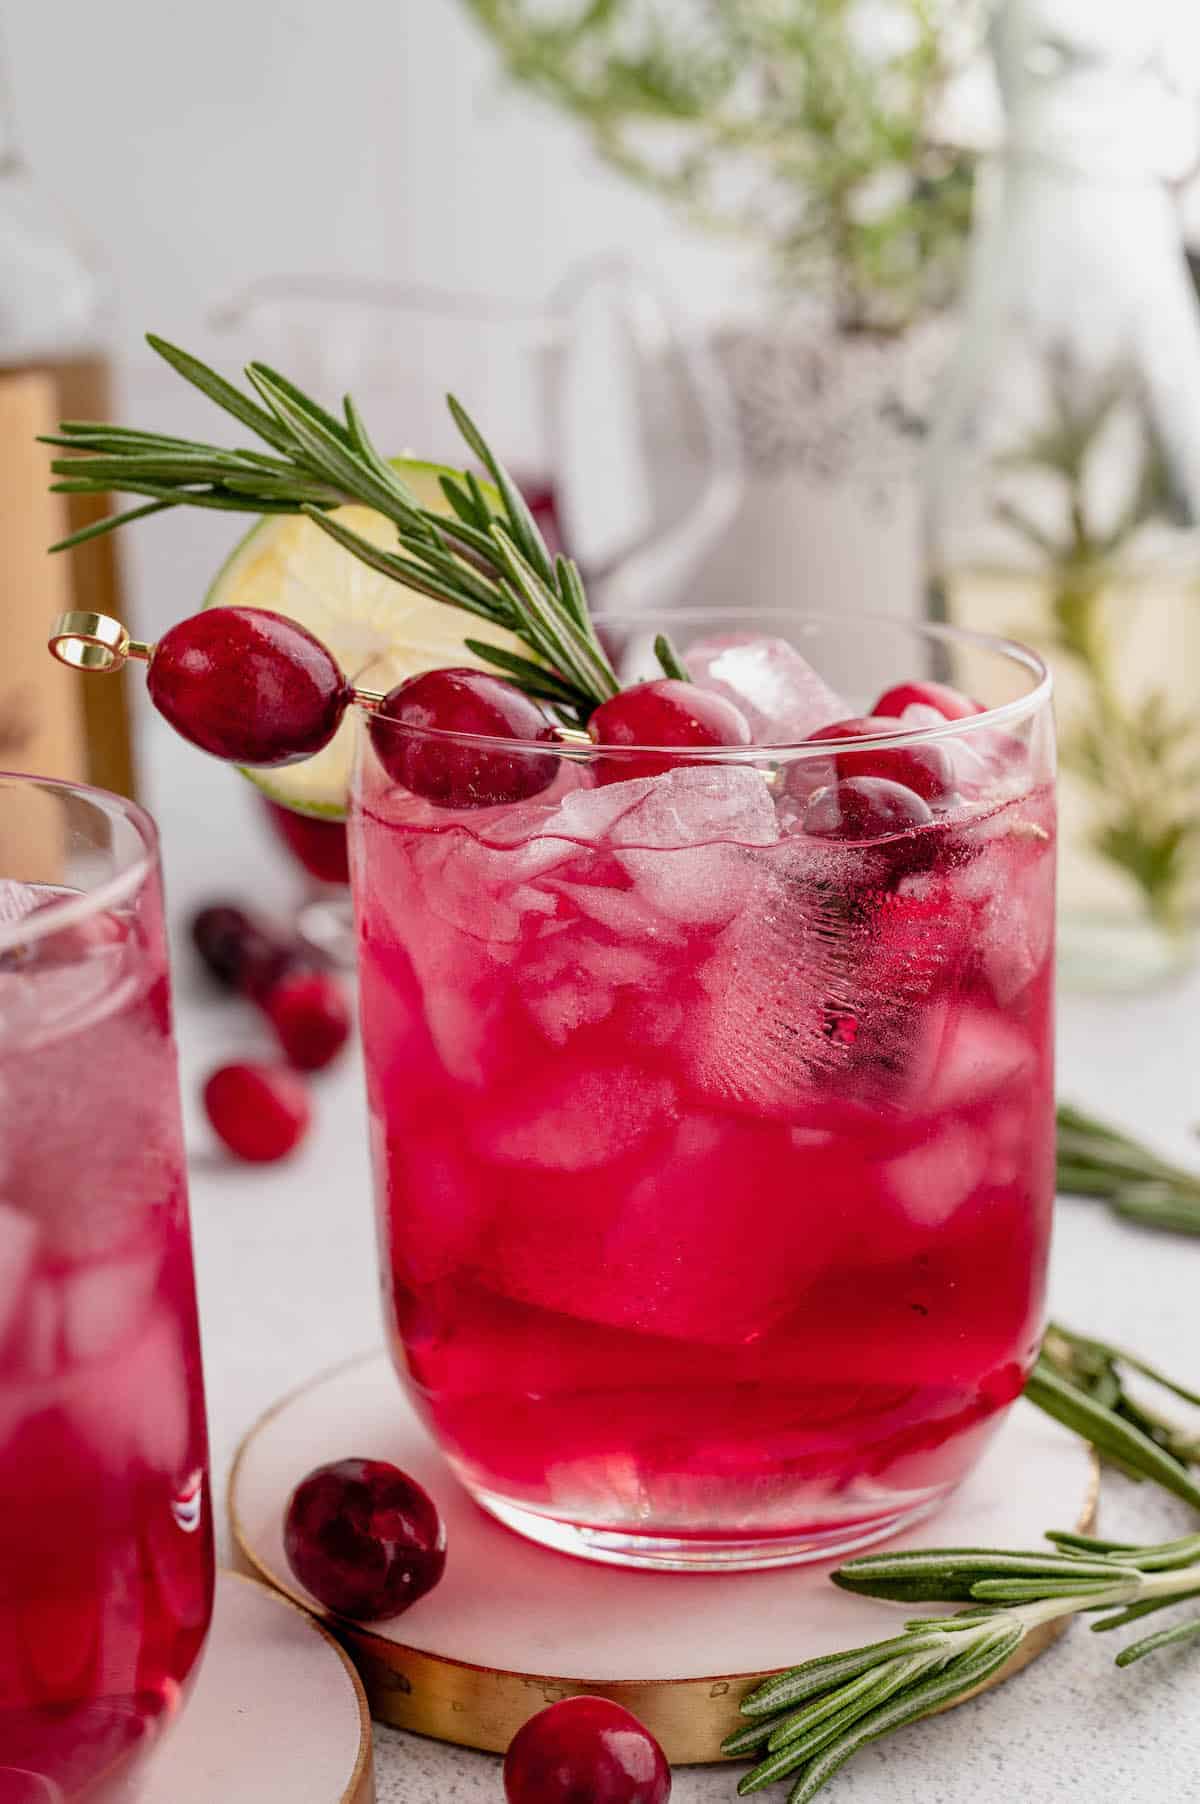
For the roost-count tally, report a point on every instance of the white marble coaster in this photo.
(512, 1626)
(276, 1712)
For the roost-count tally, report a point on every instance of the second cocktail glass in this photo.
(106, 1554)
(713, 1141)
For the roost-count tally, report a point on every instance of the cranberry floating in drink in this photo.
(667, 713)
(924, 769)
(707, 1036)
(947, 702)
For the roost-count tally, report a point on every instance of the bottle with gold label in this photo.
(1063, 476)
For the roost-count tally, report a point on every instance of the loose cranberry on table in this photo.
(248, 685)
(925, 769)
(261, 1112)
(364, 1538)
(311, 1016)
(950, 703)
(585, 1750)
(241, 952)
(665, 712)
(456, 773)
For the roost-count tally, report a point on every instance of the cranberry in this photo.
(585, 1751)
(455, 773)
(926, 769)
(864, 808)
(364, 1538)
(309, 1012)
(665, 712)
(951, 704)
(242, 953)
(319, 845)
(248, 685)
(261, 1112)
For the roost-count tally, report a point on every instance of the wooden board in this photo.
(513, 1627)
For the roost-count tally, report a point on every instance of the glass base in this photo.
(696, 1553)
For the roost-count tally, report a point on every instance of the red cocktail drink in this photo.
(106, 1562)
(713, 1113)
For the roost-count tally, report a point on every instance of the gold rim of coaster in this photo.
(482, 1707)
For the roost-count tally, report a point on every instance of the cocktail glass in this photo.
(714, 1157)
(106, 1557)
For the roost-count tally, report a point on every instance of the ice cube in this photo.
(18, 1249)
(782, 972)
(667, 1254)
(137, 1409)
(573, 981)
(572, 1121)
(1016, 929)
(105, 1300)
(975, 1055)
(678, 1259)
(779, 692)
(691, 833)
(18, 900)
(481, 889)
(931, 1181)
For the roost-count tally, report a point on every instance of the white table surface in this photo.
(286, 1273)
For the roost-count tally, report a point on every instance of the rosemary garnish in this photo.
(809, 1721)
(1083, 1383)
(1099, 1161)
(486, 556)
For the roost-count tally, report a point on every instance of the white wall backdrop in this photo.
(206, 146)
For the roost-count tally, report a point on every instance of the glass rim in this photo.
(111, 890)
(1004, 715)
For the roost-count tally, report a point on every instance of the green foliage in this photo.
(806, 124)
(1139, 757)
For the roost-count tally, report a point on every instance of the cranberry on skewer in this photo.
(256, 688)
(456, 772)
(664, 712)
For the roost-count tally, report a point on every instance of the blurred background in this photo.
(746, 292)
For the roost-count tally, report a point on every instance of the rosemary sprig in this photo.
(1097, 1160)
(807, 1722)
(1082, 1382)
(486, 556)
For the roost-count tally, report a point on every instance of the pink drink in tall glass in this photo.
(715, 1156)
(106, 1562)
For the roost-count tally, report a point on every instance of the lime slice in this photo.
(379, 631)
